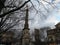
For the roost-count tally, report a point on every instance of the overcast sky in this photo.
(53, 17)
(38, 20)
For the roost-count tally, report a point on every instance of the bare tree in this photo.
(12, 8)
(2, 4)
(40, 2)
(2, 15)
(8, 18)
(7, 23)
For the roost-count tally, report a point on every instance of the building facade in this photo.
(54, 35)
(51, 37)
(57, 33)
(37, 37)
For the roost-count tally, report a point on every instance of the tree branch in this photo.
(10, 6)
(2, 15)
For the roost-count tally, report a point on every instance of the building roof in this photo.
(51, 31)
(57, 25)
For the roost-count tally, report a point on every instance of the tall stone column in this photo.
(26, 34)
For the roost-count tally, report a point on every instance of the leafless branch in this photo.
(50, 4)
(44, 7)
(2, 15)
(34, 6)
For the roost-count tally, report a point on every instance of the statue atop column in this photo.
(26, 34)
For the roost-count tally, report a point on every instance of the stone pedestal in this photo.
(26, 37)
